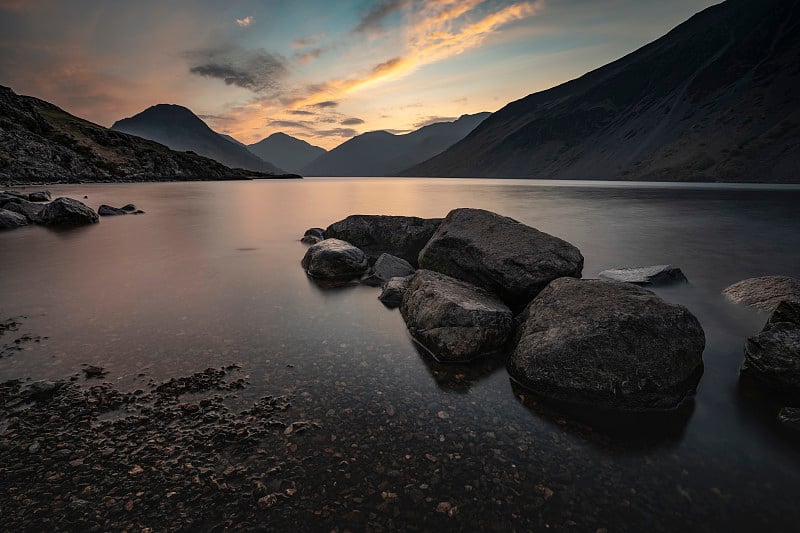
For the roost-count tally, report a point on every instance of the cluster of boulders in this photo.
(19, 209)
(485, 283)
(772, 357)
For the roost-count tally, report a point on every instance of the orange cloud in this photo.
(245, 22)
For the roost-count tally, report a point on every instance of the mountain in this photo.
(286, 151)
(40, 142)
(380, 153)
(232, 139)
(180, 129)
(716, 99)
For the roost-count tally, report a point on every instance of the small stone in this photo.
(136, 470)
(268, 501)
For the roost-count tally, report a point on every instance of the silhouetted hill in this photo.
(380, 153)
(716, 99)
(40, 142)
(289, 153)
(180, 129)
(232, 139)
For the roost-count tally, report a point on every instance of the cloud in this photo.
(372, 21)
(302, 124)
(351, 122)
(311, 55)
(245, 22)
(427, 121)
(300, 112)
(438, 30)
(337, 132)
(325, 104)
(253, 69)
(308, 40)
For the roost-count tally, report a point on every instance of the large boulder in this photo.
(765, 292)
(334, 260)
(773, 356)
(453, 320)
(387, 267)
(377, 234)
(650, 275)
(11, 220)
(67, 212)
(29, 210)
(510, 259)
(608, 345)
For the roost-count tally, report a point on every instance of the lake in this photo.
(211, 276)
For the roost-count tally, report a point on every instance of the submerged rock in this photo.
(333, 259)
(400, 236)
(67, 212)
(608, 345)
(108, 211)
(789, 417)
(11, 220)
(773, 356)
(393, 290)
(765, 292)
(506, 257)
(452, 319)
(313, 236)
(650, 275)
(387, 267)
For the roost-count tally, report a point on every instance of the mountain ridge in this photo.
(285, 151)
(381, 153)
(714, 99)
(180, 129)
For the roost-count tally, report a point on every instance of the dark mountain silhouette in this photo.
(178, 128)
(287, 152)
(716, 99)
(380, 153)
(232, 139)
(40, 142)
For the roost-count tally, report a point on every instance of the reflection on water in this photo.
(210, 276)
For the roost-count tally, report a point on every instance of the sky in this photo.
(319, 70)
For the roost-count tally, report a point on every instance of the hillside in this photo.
(180, 129)
(40, 142)
(716, 99)
(380, 153)
(287, 152)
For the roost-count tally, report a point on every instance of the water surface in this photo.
(210, 275)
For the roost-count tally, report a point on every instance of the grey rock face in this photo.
(609, 345)
(773, 356)
(29, 210)
(67, 212)
(11, 220)
(333, 259)
(508, 258)
(403, 237)
(789, 417)
(452, 319)
(387, 267)
(393, 291)
(650, 275)
(764, 293)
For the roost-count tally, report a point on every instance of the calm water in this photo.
(211, 275)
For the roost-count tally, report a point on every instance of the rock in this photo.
(453, 320)
(650, 275)
(387, 267)
(608, 345)
(313, 236)
(130, 208)
(400, 236)
(67, 212)
(773, 356)
(39, 196)
(93, 371)
(333, 259)
(764, 293)
(108, 211)
(510, 259)
(29, 210)
(10, 219)
(789, 417)
(310, 239)
(43, 389)
(392, 292)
